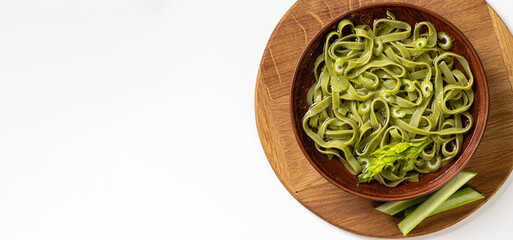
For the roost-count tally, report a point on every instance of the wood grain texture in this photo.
(491, 161)
(505, 40)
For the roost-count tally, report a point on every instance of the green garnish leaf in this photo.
(385, 157)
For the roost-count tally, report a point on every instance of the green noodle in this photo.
(385, 85)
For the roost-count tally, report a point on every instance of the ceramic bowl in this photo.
(332, 169)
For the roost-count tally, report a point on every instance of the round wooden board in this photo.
(492, 160)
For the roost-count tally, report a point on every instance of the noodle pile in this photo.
(380, 86)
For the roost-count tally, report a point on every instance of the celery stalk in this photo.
(434, 201)
(392, 208)
(409, 210)
(459, 198)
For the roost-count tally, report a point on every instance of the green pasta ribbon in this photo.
(385, 85)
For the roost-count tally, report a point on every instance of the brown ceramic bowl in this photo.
(333, 170)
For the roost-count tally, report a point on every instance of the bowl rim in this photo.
(480, 126)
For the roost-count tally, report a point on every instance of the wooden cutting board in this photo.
(492, 160)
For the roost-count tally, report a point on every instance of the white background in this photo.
(135, 120)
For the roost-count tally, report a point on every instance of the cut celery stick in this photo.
(392, 208)
(409, 210)
(434, 201)
(459, 198)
